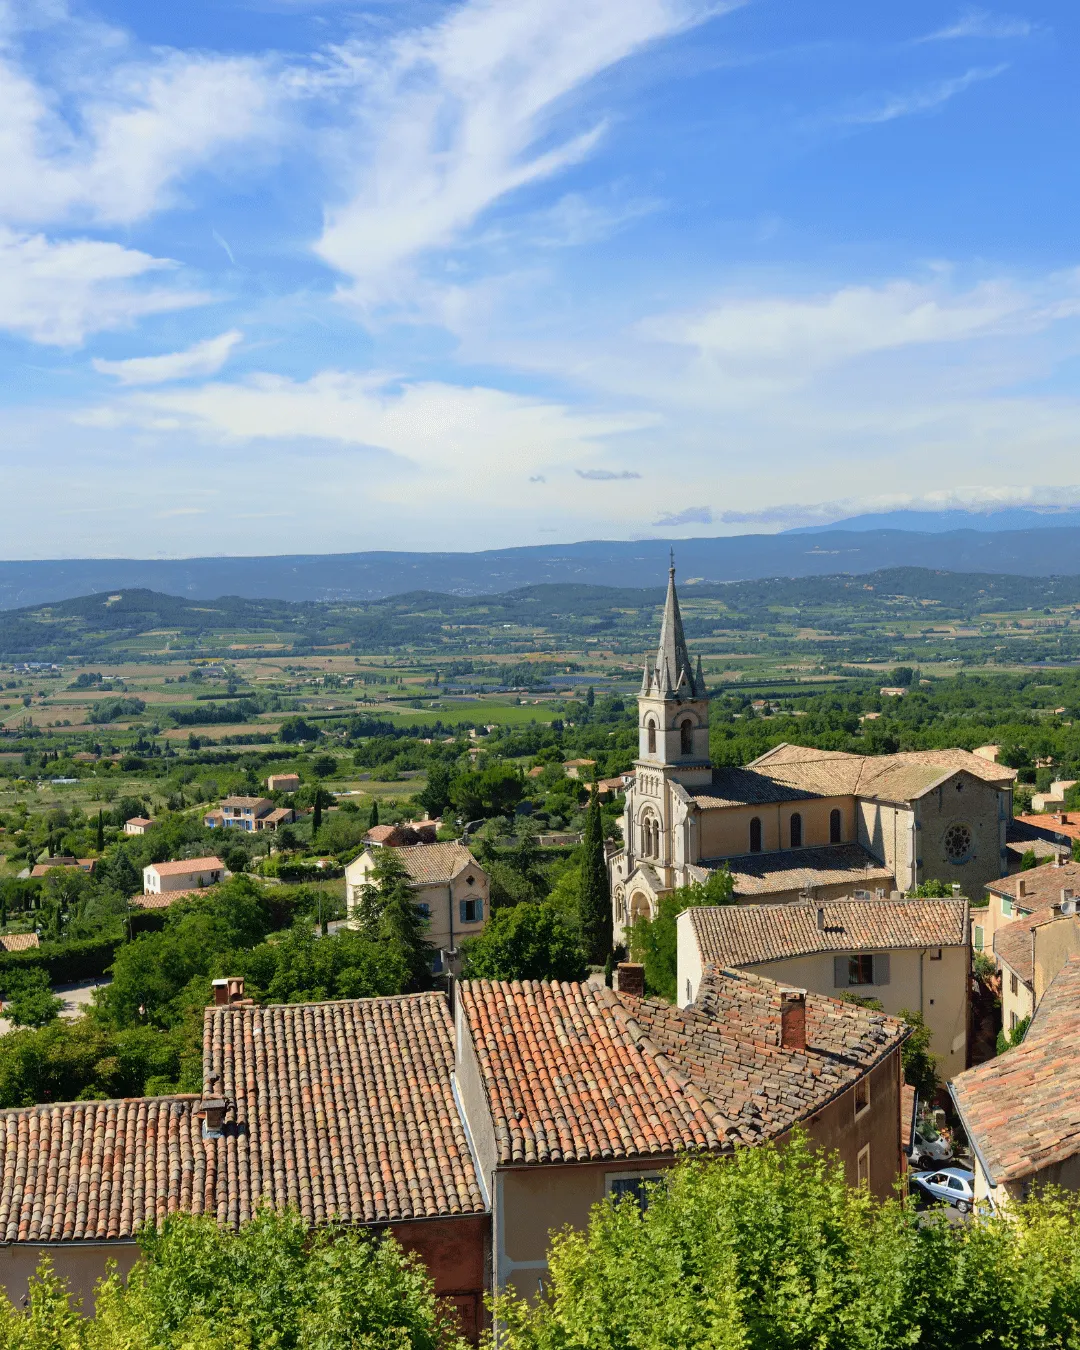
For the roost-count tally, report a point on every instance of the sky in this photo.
(283, 276)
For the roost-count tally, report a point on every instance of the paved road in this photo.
(76, 998)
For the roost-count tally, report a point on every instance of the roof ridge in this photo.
(180, 1097)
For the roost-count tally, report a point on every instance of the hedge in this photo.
(64, 962)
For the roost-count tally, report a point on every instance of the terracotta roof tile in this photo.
(342, 1109)
(577, 1074)
(1012, 942)
(794, 869)
(434, 863)
(19, 942)
(97, 1170)
(742, 935)
(1022, 1110)
(1042, 885)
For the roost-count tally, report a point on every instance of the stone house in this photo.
(907, 954)
(450, 886)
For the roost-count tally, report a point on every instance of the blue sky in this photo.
(307, 275)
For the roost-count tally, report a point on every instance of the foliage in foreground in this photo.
(272, 1286)
(654, 942)
(773, 1251)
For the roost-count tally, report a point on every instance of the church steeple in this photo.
(673, 677)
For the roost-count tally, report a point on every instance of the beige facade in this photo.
(450, 888)
(82, 1265)
(182, 876)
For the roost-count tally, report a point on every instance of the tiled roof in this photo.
(19, 942)
(279, 813)
(163, 899)
(139, 820)
(342, 1108)
(432, 863)
(250, 803)
(1022, 1110)
(900, 777)
(1042, 885)
(745, 935)
(1013, 942)
(743, 787)
(577, 1074)
(185, 865)
(378, 834)
(1067, 827)
(793, 869)
(87, 1170)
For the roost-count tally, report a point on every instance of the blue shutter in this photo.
(461, 912)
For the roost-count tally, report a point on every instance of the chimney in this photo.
(821, 920)
(956, 889)
(630, 978)
(793, 1019)
(879, 894)
(229, 990)
(212, 1110)
(1021, 888)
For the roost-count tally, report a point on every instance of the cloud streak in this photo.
(980, 23)
(926, 99)
(204, 358)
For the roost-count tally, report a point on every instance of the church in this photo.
(797, 823)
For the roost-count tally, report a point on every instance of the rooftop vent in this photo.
(793, 1019)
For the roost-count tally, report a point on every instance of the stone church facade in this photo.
(797, 822)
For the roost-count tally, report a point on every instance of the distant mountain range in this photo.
(942, 522)
(844, 547)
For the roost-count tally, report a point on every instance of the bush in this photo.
(64, 962)
(526, 942)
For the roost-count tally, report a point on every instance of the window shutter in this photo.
(881, 969)
(479, 910)
(461, 912)
(840, 972)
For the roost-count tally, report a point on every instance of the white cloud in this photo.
(110, 139)
(204, 358)
(56, 292)
(784, 339)
(455, 117)
(477, 439)
(979, 23)
(922, 100)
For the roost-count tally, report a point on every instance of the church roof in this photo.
(673, 676)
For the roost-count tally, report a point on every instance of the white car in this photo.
(929, 1148)
(953, 1185)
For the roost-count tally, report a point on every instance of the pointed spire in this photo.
(699, 680)
(673, 670)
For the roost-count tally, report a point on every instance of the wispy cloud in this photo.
(980, 23)
(922, 100)
(605, 475)
(454, 118)
(204, 358)
(693, 515)
(55, 292)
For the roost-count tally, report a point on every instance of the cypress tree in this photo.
(316, 819)
(373, 818)
(596, 931)
(100, 831)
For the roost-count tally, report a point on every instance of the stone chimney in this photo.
(956, 889)
(1021, 888)
(228, 990)
(821, 920)
(630, 978)
(212, 1110)
(793, 1019)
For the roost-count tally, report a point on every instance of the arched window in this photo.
(834, 826)
(650, 727)
(755, 834)
(796, 830)
(686, 738)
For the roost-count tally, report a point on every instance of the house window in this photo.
(1006, 907)
(1014, 985)
(796, 830)
(863, 1166)
(1014, 1021)
(860, 969)
(862, 1096)
(935, 955)
(634, 1184)
(472, 910)
(978, 938)
(834, 826)
(437, 966)
(650, 727)
(755, 835)
(686, 738)
(424, 909)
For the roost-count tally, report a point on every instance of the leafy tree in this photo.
(275, 1282)
(526, 942)
(30, 1000)
(654, 942)
(435, 796)
(302, 968)
(919, 1065)
(100, 839)
(931, 890)
(323, 766)
(1028, 861)
(389, 913)
(596, 927)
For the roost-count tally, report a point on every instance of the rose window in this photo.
(958, 843)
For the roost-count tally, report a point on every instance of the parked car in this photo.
(952, 1185)
(929, 1149)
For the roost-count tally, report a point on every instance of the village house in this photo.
(1060, 827)
(907, 954)
(283, 782)
(1030, 951)
(1020, 895)
(1021, 1111)
(48, 864)
(186, 874)
(450, 886)
(797, 822)
(579, 768)
(249, 813)
(394, 836)
(573, 1092)
(138, 825)
(1055, 798)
